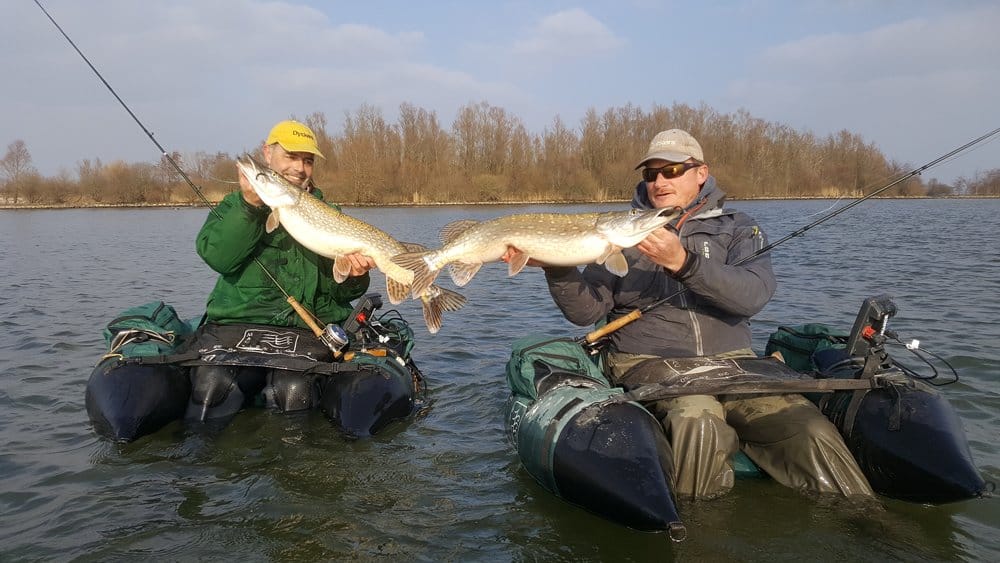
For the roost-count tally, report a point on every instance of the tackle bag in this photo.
(797, 344)
(152, 329)
(562, 354)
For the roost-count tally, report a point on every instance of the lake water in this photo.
(447, 485)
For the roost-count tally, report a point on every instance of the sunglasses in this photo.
(669, 171)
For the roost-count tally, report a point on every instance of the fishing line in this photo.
(594, 336)
(822, 211)
(981, 147)
(220, 180)
(148, 133)
(306, 316)
(915, 172)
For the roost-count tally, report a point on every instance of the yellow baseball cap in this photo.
(294, 137)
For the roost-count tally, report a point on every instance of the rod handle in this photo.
(305, 316)
(612, 326)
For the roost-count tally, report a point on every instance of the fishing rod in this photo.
(594, 336)
(332, 335)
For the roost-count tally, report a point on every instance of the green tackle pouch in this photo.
(797, 344)
(151, 329)
(561, 353)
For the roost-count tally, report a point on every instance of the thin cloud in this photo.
(567, 35)
(907, 85)
(918, 48)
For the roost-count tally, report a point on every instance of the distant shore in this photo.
(438, 204)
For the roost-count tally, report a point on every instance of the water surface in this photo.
(447, 486)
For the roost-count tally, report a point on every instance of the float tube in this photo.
(609, 457)
(142, 383)
(594, 446)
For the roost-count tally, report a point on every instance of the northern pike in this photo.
(552, 238)
(334, 234)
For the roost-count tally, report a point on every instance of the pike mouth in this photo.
(668, 211)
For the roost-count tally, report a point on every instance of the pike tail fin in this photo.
(397, 292)
(437, 299)
(423, 275)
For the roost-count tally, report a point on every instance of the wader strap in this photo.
(896, 418)
(851, 412)
(551, 431)
(192, 359)
(657, 392)
(896, 412)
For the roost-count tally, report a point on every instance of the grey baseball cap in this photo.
(673, 145)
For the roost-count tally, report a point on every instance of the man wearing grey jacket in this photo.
(700, 263)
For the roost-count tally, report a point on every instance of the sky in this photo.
(916, 78)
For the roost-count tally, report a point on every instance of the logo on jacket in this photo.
(705, 250)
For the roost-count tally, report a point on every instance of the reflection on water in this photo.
(447, 486)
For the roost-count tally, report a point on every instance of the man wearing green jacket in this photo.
(247, 306)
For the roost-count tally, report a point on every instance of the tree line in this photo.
(488, 155)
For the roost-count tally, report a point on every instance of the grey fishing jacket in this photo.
(711, 316)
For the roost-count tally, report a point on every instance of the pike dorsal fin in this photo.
(413, 246)
(272, 222)
(453, 230)
(616, 263)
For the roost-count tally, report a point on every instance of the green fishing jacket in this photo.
(229, 242)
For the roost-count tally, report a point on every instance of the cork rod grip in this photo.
(612, 326)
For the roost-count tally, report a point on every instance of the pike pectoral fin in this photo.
(616, 263)
(341, 269)
(272, 222)
(517, 261)
(396, 291)
(461, 273)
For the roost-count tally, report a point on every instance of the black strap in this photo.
(193, 358)
(656, 392)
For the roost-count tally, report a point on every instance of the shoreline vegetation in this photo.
(487, 156)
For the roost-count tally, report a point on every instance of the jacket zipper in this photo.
(695, 325)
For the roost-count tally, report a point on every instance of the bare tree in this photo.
(16, 167)
(369, 158)
(425, 151)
